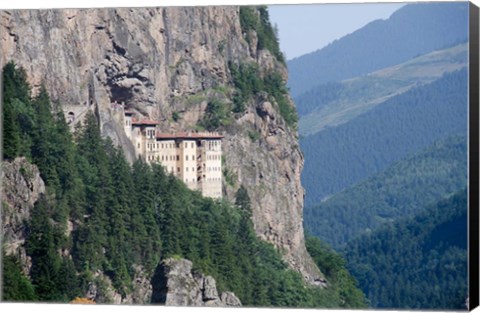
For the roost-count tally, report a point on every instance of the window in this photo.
(178, 169)
(193, 157)
(192, 144)
(186, 144)
(178, 157)
(193, 169)
(186, 169)
(139, 145)
(162, 158)
(178, 145)
(162, 145)
(186, 157)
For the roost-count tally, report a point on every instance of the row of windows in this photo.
(213, 157)
(213, 144)
(168, 158)
(193, 157)
(214, 179)
(151, 133)
(167, 145)
(214, 169)
(177, 158)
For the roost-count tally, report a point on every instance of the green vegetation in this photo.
(16, 286)
(418, 262)
(230, 177)
(400, 190)
(249, 82)
(337, 158)
(256, 19)
(332, 264)
(125, 216)
(175, 116)
(334, 103)
(254, 135)
(217, 114)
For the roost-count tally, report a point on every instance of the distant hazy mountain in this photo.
(413, 30)
(339, 157)
(402, 189)
(335, 103)
(418, 262)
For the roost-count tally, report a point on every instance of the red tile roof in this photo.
(144, 122)
(184, 135)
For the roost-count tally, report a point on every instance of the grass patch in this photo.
(254, 135)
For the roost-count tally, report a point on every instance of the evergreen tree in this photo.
(41, 248)
(15, 285)
(17, 113)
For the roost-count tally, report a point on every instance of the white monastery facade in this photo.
(193, 157)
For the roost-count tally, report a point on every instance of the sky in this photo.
(309, 27)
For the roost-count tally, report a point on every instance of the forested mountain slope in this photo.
(340, 157)
(101, 226)
(401, 190)
(418, 262)
(190, 69)
(335, 103)
(413, 30)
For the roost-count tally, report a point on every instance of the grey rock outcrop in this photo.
(22, 186)
(175, 284)
(101, 290)
(162, 61)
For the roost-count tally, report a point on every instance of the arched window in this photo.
(70, 117)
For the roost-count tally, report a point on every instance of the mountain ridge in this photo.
(339, 157)
(420, 261)
(351, 97)
(400, 190)
(412, 30)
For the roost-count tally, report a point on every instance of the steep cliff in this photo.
(21, 188)
(169, 64)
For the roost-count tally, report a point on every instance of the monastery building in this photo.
(194, 157)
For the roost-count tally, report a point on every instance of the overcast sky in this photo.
(306, 28)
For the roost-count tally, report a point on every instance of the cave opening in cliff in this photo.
(120, 94)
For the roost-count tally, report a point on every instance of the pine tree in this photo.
(41, 248)
(15, 285)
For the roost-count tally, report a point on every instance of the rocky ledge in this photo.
(175, 284)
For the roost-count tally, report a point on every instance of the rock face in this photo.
(174, 284)
(22, 186)
(101, 290)
(171, 61)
